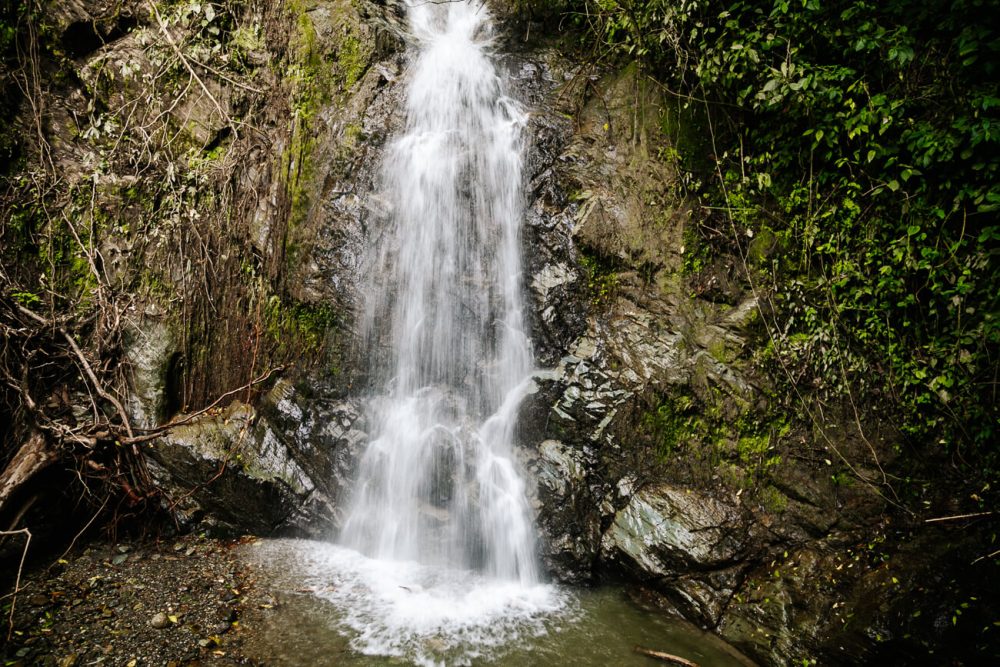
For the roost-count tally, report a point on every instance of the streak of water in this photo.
(438, 483)
(439, 497)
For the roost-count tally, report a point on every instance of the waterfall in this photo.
(436, 557)
(438, 483)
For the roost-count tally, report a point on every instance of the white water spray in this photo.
(438, 484)
(439, 543)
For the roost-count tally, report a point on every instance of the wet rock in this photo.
(664, 531)
(243, 477)
(571, 526)
(326, 437)
(704, 597)
(150, 353)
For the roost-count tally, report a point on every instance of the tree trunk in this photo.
(33, 456)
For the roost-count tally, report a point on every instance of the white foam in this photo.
(425, 614)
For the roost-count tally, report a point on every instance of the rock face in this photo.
(278, 468)
(648, 441)
(665, 530)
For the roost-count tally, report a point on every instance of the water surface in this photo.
(331, 613)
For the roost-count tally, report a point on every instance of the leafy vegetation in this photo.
(9, 93)
(602, 279)
(862, 139)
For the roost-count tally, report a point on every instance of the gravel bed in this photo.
(187, 601)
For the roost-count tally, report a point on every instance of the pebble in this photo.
(113, 606)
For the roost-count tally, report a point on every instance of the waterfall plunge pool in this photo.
(339, 607)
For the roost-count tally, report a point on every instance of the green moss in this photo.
(19, 231)
(669, 424)
(352, 60)
(353, 134)
(762, 245)
(758, 438)
(245, 41)
(717, 348)
(602, 278)
(321, 71)
(310, 91)
(744, 447)
(299, 326)
(152, 286)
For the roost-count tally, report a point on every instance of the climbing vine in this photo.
(855, 161)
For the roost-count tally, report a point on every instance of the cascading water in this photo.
(438, 559)
(437, 484)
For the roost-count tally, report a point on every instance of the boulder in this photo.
(666, 531)
(231, 470)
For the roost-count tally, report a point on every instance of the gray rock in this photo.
(231, 467)
(570, 524)
(149, 352)
(666, 531)
(159, 621)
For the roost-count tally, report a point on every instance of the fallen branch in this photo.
(86, 526)
(150, 434)
(991, 555)
(665, 657)
(957, 517)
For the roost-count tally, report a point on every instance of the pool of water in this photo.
(339, 607)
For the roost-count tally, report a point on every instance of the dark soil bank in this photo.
(185, 601)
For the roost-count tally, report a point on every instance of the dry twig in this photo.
(17, 580)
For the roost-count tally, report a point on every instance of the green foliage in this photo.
(602, 280)
(866, 134)
(682, 421)
(29, 299)
(299, 326)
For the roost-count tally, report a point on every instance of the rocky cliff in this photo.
(208, 172)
